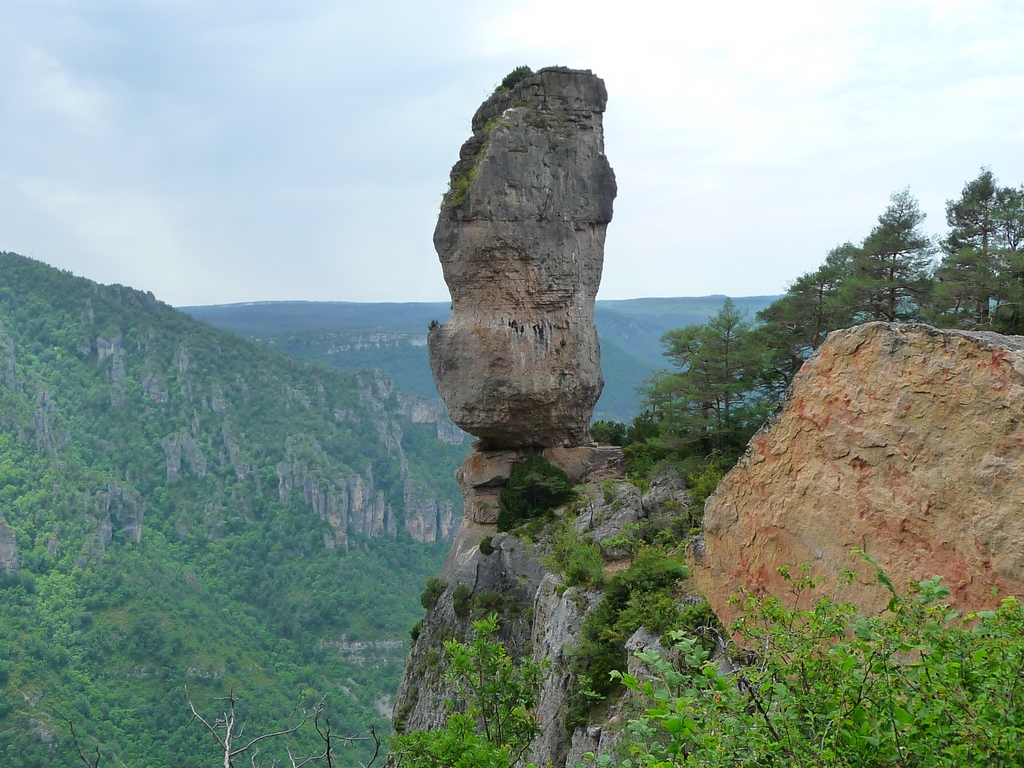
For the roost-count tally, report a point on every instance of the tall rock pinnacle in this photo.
(521, 237)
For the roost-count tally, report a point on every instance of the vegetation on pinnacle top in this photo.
(193, 508)
(513, 78)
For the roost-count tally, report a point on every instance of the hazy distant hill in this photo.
(182, 506)
(392, 337)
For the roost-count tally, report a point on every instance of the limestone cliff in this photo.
(539, 615)
(521, 238)
(903, 440)
(8, 548)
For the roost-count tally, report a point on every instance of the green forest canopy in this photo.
(176, 495)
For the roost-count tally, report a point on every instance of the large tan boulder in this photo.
(521, 237)
(902, 440)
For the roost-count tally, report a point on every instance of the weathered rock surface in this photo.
(521, 242)
(8, 548)
(539, 616)
(903, 440)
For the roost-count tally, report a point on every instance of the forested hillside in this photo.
(180, 507)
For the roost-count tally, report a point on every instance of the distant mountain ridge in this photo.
(392, 336)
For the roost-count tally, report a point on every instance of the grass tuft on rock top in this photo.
(535, 487)
(513, 78)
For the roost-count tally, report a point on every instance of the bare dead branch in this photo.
(196, 716)
(376, 745)
(264, 736)
(78, 746)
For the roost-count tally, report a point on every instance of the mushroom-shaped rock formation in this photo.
(521, 242)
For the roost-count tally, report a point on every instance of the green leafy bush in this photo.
(462, 600)
(575, 556)
(416, 631)
(608, 488)
(641, 596)
(699, 621)
(608, 432)
(496, 696)
(489, 602)
(535, 486)
(513, 78)
(431, 592)
(640, 459)
(486, 546)
(918, 685)
(703, 482)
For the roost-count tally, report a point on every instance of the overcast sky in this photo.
(217, 152)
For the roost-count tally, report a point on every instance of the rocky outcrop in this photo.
(484, 473)
(181, 444)
(242, 468)
(521, 237)
(155, 388)
(521, 243)
(350, 504)
(48, 438)
(902, 440)
(8, 548)
(427, 519)
(422, 411)
(539, 615)
(117, 509)
(8, 371)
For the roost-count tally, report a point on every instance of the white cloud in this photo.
(128, 237)
(224, 151)
(50, 89)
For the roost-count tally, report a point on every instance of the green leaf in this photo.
(902, 716)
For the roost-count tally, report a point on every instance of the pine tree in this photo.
(971, 275)
(795, 325)
(889, 273)
(712, 398)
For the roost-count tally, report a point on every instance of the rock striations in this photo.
(521, 242)
(902, 440)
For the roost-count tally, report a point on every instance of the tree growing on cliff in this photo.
(981, 271)
(490, 723)
(792, 327)
(888, 276)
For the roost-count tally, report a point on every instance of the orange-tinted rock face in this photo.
(903, 440)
